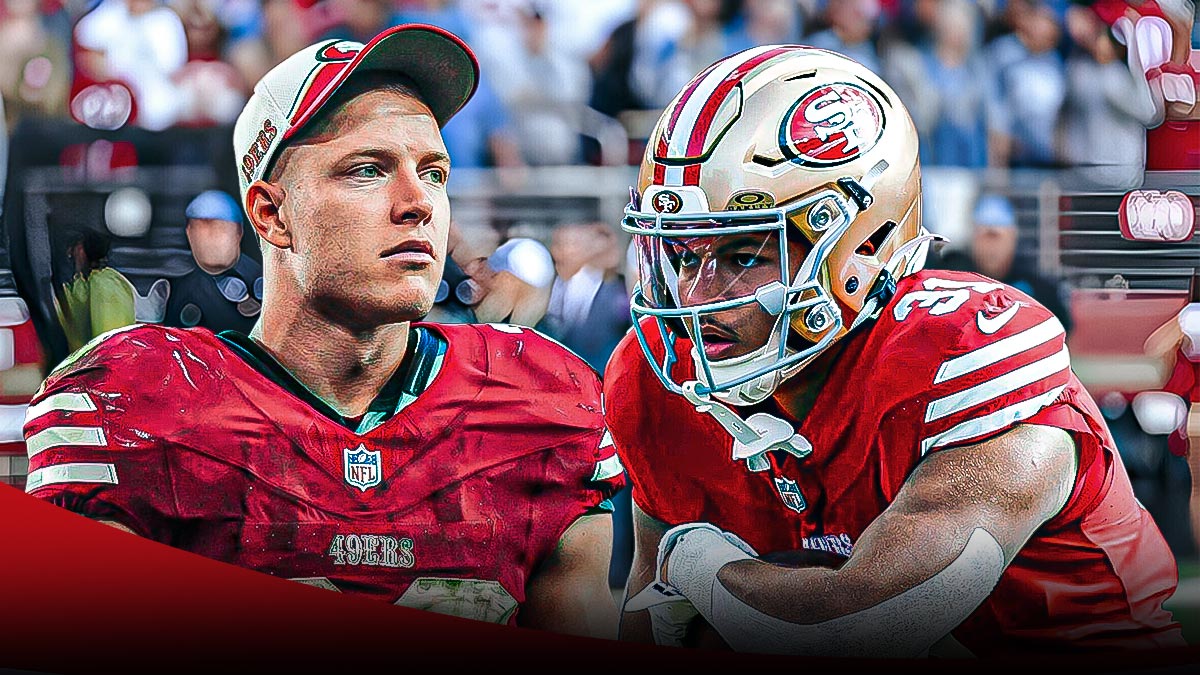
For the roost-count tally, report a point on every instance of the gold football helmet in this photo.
(783, 180)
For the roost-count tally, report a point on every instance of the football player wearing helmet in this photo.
(342, 443)
(796, 382)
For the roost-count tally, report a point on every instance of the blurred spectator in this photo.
(480, 134)
(624, 68)
(212, 91)
(34, 74)
(707, 39)
(1103, 123)
(138, 43)
(914, 21)
(767, 22)
(501, 283)
(224, 292)
(545, 91)
(956, 76)
(852, 25)
(445, 14)
(358, 20)
(993, 254)
(462, 249)
(285, 30)
(98, 298)
(589, 307)
(447, 306)
(1028, 87)
(511, 285)
(579, 28)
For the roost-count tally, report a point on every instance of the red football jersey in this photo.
(955, 358)
(449, 505)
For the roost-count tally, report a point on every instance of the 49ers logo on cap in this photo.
(335, 52)
(830, 125)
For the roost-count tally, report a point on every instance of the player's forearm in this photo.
(805, 594)
(764, 608)
(635, 627)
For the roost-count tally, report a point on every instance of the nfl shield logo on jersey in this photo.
(362, 467)
(789, 492)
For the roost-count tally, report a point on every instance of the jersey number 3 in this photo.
(941, 296)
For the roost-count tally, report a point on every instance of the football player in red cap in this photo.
(797, 386)
(342, 443)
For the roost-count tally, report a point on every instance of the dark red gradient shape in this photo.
(81, 597)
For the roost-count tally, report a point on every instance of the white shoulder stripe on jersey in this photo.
(999, 350)
(79, 472)
(993, 421)
(997, 387)
(61, 402)
(607, 468)
(53, 437)
(606, 440)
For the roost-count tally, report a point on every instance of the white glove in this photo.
(671, 613)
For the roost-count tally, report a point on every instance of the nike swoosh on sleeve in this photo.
(990, 325)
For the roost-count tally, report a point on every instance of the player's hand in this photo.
(675, 537)
(671, 614)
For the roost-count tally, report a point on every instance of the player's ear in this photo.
(262, 206)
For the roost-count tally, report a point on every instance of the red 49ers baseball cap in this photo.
(436, 62)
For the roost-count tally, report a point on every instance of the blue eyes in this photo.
(745, 259)
(437, 176)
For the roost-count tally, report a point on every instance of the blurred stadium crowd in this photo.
(999, 83)
(95, 92)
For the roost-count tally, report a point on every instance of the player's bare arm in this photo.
(647, 532)
(569, 592)
(920, 569)
(119, 526)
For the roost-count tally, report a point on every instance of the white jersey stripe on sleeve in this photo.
(999, 386)
(61, 402)
(79, 472)
(994, 421)
(999, 350)
(53, 437)
(607, 468)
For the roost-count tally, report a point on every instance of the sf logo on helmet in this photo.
(831, 125)
(667, 202)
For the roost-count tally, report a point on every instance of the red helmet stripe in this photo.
(683, 99)
(704, 120)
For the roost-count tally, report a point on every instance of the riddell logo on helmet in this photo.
(831, 125)
(258, 149)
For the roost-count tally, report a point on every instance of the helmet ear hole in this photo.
(875, 242)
